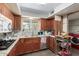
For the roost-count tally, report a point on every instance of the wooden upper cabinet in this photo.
(46, 24)
(0, 7)
(5, 11)
(17, 22)
(57, 27)
(49, 24)
(43, 24)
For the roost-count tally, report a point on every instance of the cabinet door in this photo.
(0, 7)
(36, 44)
(53, 46)
(4, 11)
(17, 49)
(27, 45)
(14, 51)
(49, 24)
(48, 42)
(43, 24)
(17, 22)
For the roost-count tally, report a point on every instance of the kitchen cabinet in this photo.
(43, 24)
(57, 27)
(17, 22)
(5, 11)
(25, 45)
(0, 7)
(48, 42)
(50, 24)
(47, 24)
(31, 44)
(51, 44)
(17, 49)
(36, 44)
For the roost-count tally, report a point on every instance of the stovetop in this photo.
(4, 44)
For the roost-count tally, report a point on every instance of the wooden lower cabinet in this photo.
(25, 45)
(27, 42)
(16, 50)
(36, 44)
(48, 42)
(51, 44)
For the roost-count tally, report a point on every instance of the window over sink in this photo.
(30, 27)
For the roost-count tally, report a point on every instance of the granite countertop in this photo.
(36, 36)
(5, 52)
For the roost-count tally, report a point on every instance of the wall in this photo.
(65, 23)
(74, 26)
(4, 36)
(33, 29)
(1, 36)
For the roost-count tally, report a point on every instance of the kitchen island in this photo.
(29, 44)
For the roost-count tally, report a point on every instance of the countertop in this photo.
(5, 52)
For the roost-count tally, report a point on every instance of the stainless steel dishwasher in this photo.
(43, 42)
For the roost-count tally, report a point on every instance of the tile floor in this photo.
(47, 52)
(75, 52)
(41, 53)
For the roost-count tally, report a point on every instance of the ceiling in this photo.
(37, 9)
(48, 7)
(14, 8)
(42, 10)
(70, 9)
(73, 16)
(32, 9)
